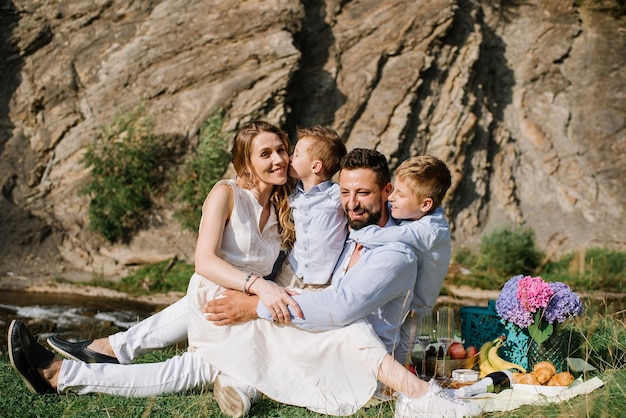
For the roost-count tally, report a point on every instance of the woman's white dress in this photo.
(331, 372)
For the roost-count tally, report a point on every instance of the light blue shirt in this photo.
(430, 239)
(321, 231)
(378, 288)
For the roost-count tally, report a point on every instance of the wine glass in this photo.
(423, 332)
(445, 333)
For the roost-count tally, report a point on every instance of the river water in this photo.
(68, 316)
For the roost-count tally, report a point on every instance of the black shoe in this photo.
(26, 356)
(78, 351)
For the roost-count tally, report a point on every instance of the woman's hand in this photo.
(276, 299)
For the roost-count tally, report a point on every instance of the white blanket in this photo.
(514, 398)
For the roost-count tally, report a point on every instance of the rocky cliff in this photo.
(523, 99)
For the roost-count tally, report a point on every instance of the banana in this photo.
(486, 368)
(483, 353)
(499, 363)
(484, 365)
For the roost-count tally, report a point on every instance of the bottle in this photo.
(494, 382)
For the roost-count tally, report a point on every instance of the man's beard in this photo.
(371, 218)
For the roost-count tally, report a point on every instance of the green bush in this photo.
(126, 165)
(465, 257)
(509, 251)
(601, 269)
(201, 171)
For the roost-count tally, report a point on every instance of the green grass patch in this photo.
(508, 251)
(600, 332)
(592, 269)
(166, 276)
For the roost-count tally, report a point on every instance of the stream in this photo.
(68, 316)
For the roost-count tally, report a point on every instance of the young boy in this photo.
(420, 184)
(319, 218)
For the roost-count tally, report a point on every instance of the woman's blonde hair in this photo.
(240, 157)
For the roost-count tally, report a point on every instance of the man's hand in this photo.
(233, 308)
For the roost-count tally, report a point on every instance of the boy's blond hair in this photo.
(327, 147)
(426, 176)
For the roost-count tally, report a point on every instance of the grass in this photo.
(16, 401)
(601, 340)
(165, 276)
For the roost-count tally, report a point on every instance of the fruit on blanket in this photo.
(501, 364)
(489, 360)
(471, 351)
(483, 358)
(456, 351)
(471, 356)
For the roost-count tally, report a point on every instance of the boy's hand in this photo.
(233, 308)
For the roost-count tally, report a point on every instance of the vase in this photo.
(554, 350)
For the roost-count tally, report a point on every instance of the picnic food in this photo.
(544, 373)
(456, 351)
(526, 378)
(489, 360)
(561, 379)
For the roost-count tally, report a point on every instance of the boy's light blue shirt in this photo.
(321, 231)
(430, 239)
(378, 288)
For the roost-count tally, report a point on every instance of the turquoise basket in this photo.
(480, 324)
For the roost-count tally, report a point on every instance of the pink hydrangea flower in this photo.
(533, 293)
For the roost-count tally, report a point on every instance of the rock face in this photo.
(523, 100)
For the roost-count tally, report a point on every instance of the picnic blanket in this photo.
(510, 399)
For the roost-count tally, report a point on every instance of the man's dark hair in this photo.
(369, 159)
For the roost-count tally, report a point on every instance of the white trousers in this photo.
(179, 373)
(160, 330)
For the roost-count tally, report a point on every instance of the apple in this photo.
(456, 351)
(471, 351)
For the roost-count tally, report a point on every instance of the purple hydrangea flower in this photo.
(509, 307)
(564, 303)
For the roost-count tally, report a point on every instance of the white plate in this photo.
(543, 390)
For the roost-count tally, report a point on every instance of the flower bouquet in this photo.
(538, 307)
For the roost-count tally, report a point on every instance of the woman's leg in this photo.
(179, 373)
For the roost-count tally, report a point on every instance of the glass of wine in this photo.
(445, 333)
(424, 332)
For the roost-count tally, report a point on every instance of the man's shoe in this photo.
(234, 399)
(78, 351)
(436, 403)
(26, 356)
